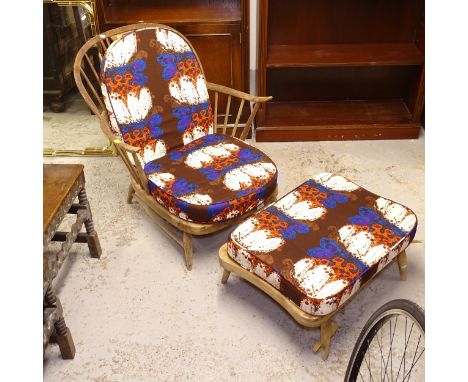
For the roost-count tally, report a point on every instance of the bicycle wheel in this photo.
(391, 345)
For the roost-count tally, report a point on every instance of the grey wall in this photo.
(253, 33)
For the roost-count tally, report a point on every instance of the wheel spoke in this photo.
(390, 349)
(413, 362)
(367, 363)
(403, 360)
(404, 355)
(382, 360)
(362, 378)
(412, 366)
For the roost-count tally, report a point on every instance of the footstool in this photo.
(317, 246)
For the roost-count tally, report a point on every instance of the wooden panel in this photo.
(340, 120)
(339, 83)
(343, 21)
(415, 95)
(262, 56)
(121, 12)
(338, 133)
(337, 113)
(320, 55)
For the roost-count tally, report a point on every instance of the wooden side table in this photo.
(63, 184)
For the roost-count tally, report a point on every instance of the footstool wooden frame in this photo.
(327, 324)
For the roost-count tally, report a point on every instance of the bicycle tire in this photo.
(372, 326)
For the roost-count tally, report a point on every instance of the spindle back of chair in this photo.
(86, 72)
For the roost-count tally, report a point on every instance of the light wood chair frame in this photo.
(88, 83)
(327, 324)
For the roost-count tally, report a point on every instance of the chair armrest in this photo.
(128, 152)
(244, 97)
(127, 148)
(236, 93)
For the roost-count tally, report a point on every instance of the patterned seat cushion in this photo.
(321, 242)
(212, 179)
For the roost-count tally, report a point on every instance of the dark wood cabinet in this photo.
(340, 69)
(218, 30)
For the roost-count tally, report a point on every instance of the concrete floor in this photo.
(138, 315)
(74, 129)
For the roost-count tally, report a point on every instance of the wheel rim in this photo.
(394, 350)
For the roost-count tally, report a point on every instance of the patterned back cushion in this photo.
(155, 91)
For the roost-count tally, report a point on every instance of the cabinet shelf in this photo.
(337, 120)
(329, 55)
(340, 70)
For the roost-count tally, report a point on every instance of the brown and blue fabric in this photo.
(321, 242)
(212, 179)
(156, 97)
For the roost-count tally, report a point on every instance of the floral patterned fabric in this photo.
(155, 92)
(212, 179)
(156, 97)
(321, 242)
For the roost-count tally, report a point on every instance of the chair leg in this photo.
(327, 330)
(187, 244)
(225, 277)
(402, 265)
(131, 191)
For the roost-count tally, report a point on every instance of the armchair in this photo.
(152, 100)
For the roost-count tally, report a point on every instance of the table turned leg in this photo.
(63, 335)
(92, 236)
(64, 339)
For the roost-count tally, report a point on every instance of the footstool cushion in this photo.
(322, 241)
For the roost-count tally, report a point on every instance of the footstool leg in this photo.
(64, 339)
(327, 330)
(225, 277)
(402, 265)
(187, 244)
(131, 191)
(92, 236)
